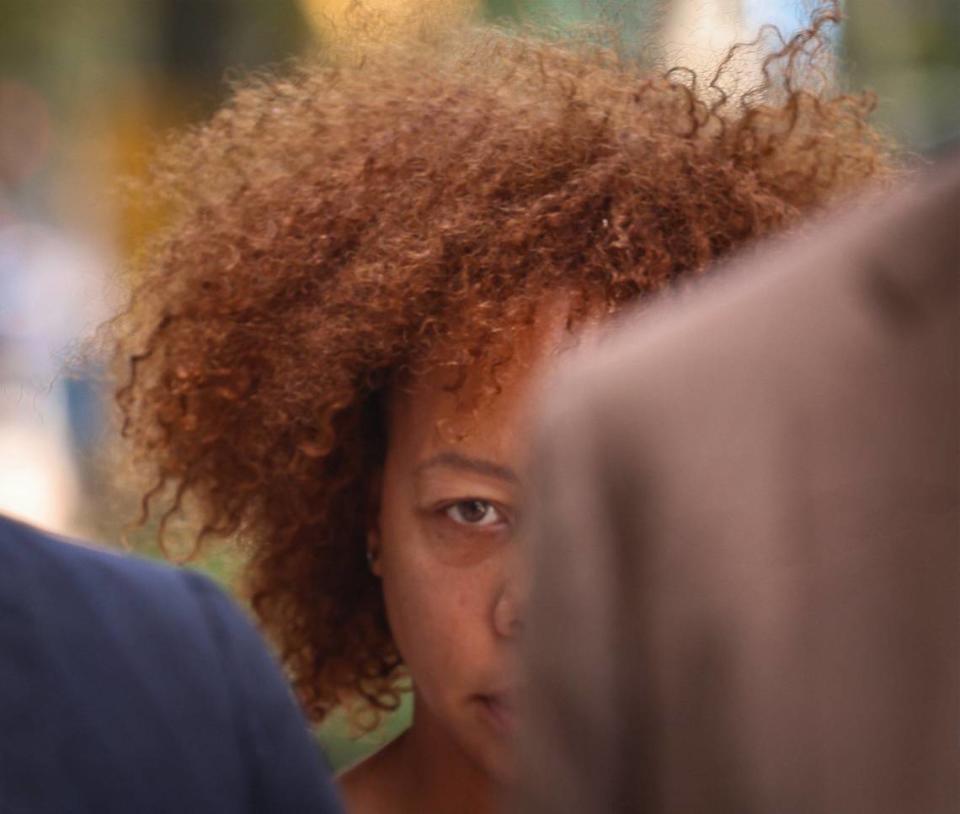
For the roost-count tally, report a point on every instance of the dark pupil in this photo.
(473, 511)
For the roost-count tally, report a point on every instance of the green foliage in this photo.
(343, 747)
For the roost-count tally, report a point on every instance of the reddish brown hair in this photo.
(342, 225)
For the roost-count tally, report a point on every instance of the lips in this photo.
(500, 711)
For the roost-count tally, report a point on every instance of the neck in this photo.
(439, 775)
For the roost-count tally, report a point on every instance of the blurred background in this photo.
(88, 86)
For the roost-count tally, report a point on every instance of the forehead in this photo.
(486, 411)
(482, 414)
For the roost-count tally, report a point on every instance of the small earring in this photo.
(371, 560)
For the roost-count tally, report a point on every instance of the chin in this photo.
(494, 754)
(501, 764)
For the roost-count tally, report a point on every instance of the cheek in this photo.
(435, 611)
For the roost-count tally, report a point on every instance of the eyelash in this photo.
(449, 509)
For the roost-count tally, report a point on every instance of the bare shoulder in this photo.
(375, 784)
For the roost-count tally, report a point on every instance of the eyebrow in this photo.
(455, 460)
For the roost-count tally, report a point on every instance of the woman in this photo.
(332, 348)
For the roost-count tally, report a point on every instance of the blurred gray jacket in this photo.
(745, 537)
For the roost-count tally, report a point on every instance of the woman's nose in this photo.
(508, 611)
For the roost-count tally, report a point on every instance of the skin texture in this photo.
(445, 547)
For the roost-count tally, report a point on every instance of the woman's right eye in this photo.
(477, 513)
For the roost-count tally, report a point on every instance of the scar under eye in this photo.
(474, 513)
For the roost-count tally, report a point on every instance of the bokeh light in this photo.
(348, 20)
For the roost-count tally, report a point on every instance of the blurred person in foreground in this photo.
(131, 687)
(51, 293)
(745, 542)
(329, 352)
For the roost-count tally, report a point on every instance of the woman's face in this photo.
(445, 549)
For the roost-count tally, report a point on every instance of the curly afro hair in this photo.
(345, 224)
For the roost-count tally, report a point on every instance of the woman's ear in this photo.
(373, 551)
(373, 527)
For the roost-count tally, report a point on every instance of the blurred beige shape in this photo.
(25, 133)
(51, 295)
(698, 33)
(356, 21)
(37, 479)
